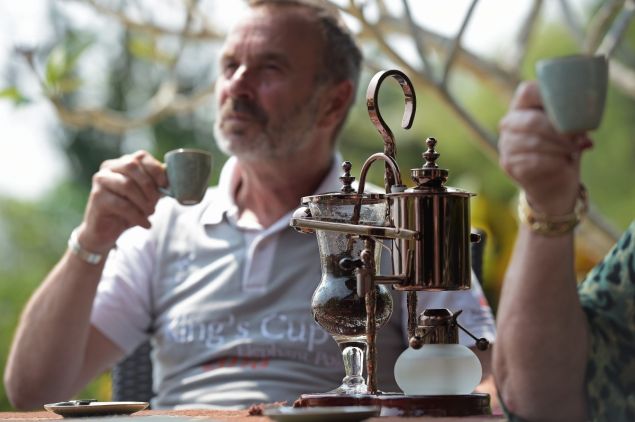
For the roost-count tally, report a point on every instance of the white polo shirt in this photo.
(228, 307)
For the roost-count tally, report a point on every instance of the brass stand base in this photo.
(394, 404)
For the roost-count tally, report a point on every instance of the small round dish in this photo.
(78, 409)
(320, 414)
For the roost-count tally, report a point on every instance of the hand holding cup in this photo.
(188, 172)
(573, 91)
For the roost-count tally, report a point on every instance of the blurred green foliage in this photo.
(14, 95)
(31, 241)
(60, 76)
(33, 234)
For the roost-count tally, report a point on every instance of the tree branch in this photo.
(165, 102)
(484, 70)
(456, 43)
(571, 23)
(514, 59)
(416, 38)
(599, 23)
(206, 33)
(487, 140)
(616, 33)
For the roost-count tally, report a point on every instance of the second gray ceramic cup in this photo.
(188, 172)
(573, 91)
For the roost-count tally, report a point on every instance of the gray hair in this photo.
(342, 57)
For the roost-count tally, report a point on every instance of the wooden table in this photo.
(220, 415)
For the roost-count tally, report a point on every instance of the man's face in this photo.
(266, 93)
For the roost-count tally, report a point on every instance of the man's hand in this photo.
(124, 194)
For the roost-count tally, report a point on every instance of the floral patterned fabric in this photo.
(608, 299)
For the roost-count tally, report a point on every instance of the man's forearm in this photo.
(48, 350)
(541, 350)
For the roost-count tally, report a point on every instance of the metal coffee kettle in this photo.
(439, 258)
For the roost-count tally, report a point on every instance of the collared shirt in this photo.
(228, 306)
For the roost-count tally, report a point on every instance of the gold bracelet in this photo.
(549, 225)
(83, 254)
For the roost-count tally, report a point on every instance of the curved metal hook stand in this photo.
(372, 97)
(372, 102)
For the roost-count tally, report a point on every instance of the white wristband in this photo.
(77, 249)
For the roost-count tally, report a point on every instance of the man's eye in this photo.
(229, 68)
(271, 66)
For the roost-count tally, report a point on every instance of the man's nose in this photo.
(241, 83)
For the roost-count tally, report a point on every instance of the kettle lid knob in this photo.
(430, 175)
(346, 179)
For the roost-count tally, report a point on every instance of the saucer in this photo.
(317, 414)
(78, 408)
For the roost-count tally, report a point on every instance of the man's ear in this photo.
(335, 103)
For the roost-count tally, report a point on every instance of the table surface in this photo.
(220, 415)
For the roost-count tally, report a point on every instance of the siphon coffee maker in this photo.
(426, 229)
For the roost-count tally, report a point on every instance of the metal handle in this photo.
(481, 343)
(359, 229)
(372, 102)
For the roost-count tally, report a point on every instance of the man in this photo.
(564, 352)
(223, 288)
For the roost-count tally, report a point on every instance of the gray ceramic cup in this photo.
(188, 172)
(573, 91)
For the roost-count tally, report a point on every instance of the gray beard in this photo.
(277, 141)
